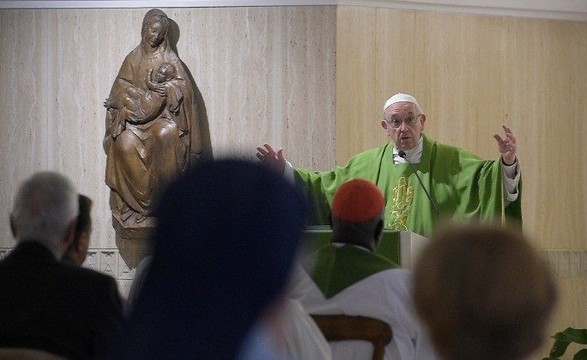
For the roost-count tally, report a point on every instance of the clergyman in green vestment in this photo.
(346, 276)
(461, 185)
(357, 225)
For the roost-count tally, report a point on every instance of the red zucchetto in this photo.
(357, 201)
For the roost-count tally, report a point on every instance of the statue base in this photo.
(134, 241)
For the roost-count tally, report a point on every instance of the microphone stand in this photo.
(402, 154)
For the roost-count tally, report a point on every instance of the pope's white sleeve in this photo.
(511, 180)
(288, 172)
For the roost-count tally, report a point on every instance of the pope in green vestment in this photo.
(462, 185)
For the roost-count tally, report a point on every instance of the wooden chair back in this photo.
(346, 327)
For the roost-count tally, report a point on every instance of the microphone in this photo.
(402, 154)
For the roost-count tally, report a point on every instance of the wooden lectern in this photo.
(401, 247)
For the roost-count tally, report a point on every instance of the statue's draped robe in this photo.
(463, 185)
(146, 156)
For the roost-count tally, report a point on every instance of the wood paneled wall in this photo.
(471, 74)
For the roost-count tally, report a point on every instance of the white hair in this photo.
(44, 206)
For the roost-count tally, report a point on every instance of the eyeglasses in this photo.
(410, 121)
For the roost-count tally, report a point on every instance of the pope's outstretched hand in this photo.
(271, 158)
(507, 146)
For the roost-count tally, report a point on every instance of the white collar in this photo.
(413, 155)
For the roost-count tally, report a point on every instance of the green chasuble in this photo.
(463, 185)
(334, 268)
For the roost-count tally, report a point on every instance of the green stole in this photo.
(463, 185)
(334, 268)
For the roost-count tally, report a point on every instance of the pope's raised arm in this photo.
(271, 158)
(507, 146)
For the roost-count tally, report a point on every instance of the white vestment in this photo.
(303, 338)
(387, 296)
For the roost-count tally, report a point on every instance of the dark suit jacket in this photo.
(57, 307)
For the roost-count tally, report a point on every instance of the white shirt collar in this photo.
(413, 155)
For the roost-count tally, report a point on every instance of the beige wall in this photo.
(472, 73)
(268, 74)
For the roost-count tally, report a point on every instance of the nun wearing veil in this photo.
(222, 258)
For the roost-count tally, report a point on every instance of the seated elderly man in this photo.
(347, 277)
(47, 304)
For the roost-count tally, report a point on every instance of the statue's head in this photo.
(155, 26)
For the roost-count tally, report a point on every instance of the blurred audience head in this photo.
(45, 210)
(484, 292)
(228, 232)
(357, 214)
(78, 249)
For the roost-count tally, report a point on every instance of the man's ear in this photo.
(80, 245)
(378, 231)
(69, 236)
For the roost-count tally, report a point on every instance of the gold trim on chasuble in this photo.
(403, 194)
